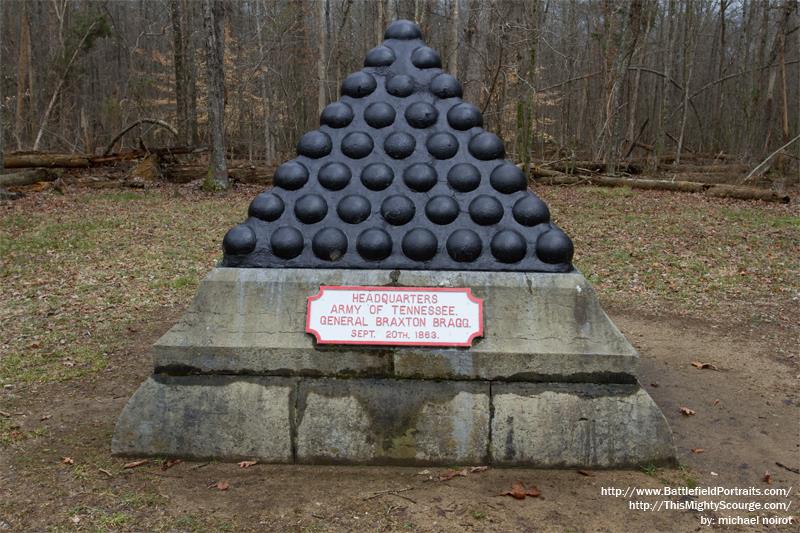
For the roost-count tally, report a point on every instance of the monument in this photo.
(398, 297)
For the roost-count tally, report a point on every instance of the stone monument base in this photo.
(551, 384)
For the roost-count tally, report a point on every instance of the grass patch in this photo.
(80, 272)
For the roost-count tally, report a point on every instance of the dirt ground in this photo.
(747, 420)
(89, 281)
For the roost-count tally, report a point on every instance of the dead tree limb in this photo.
(60, 85)
(30, 160)
(27, 177)
(129, 127)
(756, 171)
(720, 191)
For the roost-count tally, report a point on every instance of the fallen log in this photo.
(575, 167)
(747, 193)
(40, 159)
(54, 160)
(27, 177)
(608, 181)
(177, 173)
(720, 191)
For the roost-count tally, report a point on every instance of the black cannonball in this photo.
(397, 210)
(266, 206)
(530, 210)
(286, 242)
(337, 115)
(425, 57)
(464, 245)
(421, 115)
(379, 115)
(508, 178)
(441, 210)
(486, 146)
(442, 145)
(334, 176)
(420, 177)
(485, 210)
(402, 29)
(508, 246)
(553, 246)
(374, 244)
(359, 84)
(464, 177)
(446, 86)
(329, 244)
(464, 116)
(400, 85)
(354, 209)
(380, 56)
(420, 244)
(290, 176)
(399, 145)
(310, 208)
(377, 176)
(357, 145)
(314, 144)
(239, 240)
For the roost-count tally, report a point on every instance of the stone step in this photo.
(387, 421)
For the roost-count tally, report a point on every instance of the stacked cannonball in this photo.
(400, 175)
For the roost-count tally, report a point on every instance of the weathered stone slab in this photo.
(205, 417)
(538, 327)
(577, 425)
(385, 421)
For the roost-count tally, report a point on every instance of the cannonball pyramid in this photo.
(400, 175)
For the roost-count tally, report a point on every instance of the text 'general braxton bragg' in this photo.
(395, 316)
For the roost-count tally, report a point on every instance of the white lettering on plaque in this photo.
(395, 316)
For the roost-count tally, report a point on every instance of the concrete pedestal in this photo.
(552, 383)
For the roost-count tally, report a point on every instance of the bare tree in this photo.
(181, 78)
(213, 14)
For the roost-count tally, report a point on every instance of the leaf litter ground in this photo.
(89, 280)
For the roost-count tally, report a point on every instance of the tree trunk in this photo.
(452, 63)
(179, 55)
(688, 66)
(60, 85)
(322, 36)
(269, 150)
(190, 43)
(661, 136)
(24, 79)
(213, 13)
(2, 122)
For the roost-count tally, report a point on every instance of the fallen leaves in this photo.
(685, 411)
(519, 492)
(698, 450)
(450, 474)
(220, 485)
(247, 464)
(169, 463)
(586, 473)
(134, 464)
(704, 366)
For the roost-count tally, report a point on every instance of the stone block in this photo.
(577, 425)
(538, 327)
(385, 421)
(209, 417)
